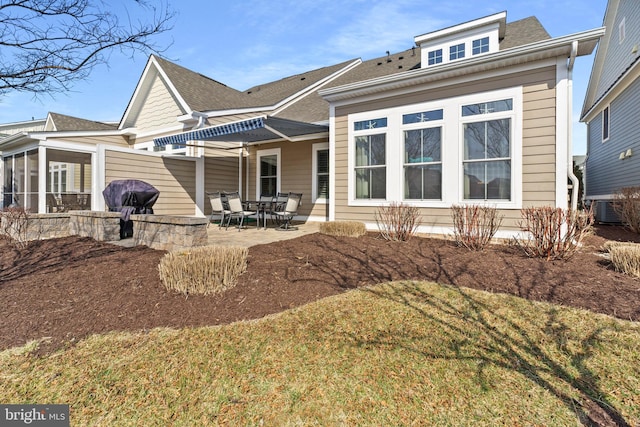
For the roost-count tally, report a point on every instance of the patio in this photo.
(250, 236)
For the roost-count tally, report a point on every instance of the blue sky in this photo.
(249, 42)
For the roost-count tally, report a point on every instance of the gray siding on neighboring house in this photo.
(605, 171)
(620, 55)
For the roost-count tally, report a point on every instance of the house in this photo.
(610, 110)
(475, 113)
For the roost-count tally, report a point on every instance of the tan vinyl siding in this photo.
(296, 174)
(116, 140)
(221, 174)
(538, 143)
(173, 177)
(160, 108)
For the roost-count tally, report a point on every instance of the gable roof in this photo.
(61, 123)
(522, 32)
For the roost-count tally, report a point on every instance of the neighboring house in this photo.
(475, 113)
(611, 108)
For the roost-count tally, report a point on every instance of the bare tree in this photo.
(46, 45)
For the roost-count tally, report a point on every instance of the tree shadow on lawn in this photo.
(512, 348)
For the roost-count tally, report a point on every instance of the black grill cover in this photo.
(130, 196)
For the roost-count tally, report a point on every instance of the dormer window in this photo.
(480, 36)
(435, 57)
(456, 52)
(481, 46)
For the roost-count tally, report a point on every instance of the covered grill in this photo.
(130, 196)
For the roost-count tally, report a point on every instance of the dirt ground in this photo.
(66, 289)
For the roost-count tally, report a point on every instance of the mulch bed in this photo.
(67, 289)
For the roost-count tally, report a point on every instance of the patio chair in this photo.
(278, 205)
(237, 211)
(290, 210)
(217, 208)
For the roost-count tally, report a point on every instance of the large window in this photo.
(487, 152)
(371, 171)
(422, 156)
(437, 153)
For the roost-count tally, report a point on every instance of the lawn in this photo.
(400, 353)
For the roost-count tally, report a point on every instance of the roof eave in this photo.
(517, 55)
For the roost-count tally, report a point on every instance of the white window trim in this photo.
(452, 149)
(608, 110)
(622, 30)
(269, 152)
(314, 173)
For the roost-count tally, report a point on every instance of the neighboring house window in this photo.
(370, 159)
(268, 182)
(423, 156)
(480, 46)
(605, 124)
(622, 31)
(320, 172)
(435, 57)
(58, 178)
(487, 151)
(456, 52)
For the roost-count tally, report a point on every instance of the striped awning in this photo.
(256, 129)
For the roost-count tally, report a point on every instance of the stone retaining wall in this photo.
(167, 232)
(38, 226)
(102, 226)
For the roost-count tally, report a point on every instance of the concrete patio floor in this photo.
(250, 236)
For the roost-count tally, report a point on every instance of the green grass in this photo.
(393, 354)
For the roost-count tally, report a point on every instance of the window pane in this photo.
(323, 187)
(487, 140)
(487, 180)
(456, 52)
(370, 124)
(480, 45)
(605, 123)
(8, 181)
(487, 107)
(268, 186)
(422, 145)
(435, 57)
(269, 165)
(424, 116)
(423, 182)
(370, 150)
(323, 161)
(371, 183)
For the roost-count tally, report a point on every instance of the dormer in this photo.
(463, 41)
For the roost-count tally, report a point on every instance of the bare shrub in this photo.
(626, 259)
(204, 270)
(474, 226)
(553, 233)
(626, 203)
(14, 225)
(613, 243)
(343, 228)
(397, 221)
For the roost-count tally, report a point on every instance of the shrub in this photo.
(474, 226)
(343, 228)
(613, 243)
(14, 224)
(203, 270)
(626, 203)
(553, 233)
(626, 259)
(397, 221)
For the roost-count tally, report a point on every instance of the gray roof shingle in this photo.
(69, 123)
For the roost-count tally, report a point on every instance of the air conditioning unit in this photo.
(604, 212)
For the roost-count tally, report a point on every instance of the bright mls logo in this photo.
(35, 415)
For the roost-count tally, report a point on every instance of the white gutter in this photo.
(574, 179)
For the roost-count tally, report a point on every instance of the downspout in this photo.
(574, 179)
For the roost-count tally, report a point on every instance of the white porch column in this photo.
(199, 209)
(43, 171)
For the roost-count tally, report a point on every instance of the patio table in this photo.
(260, 206)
